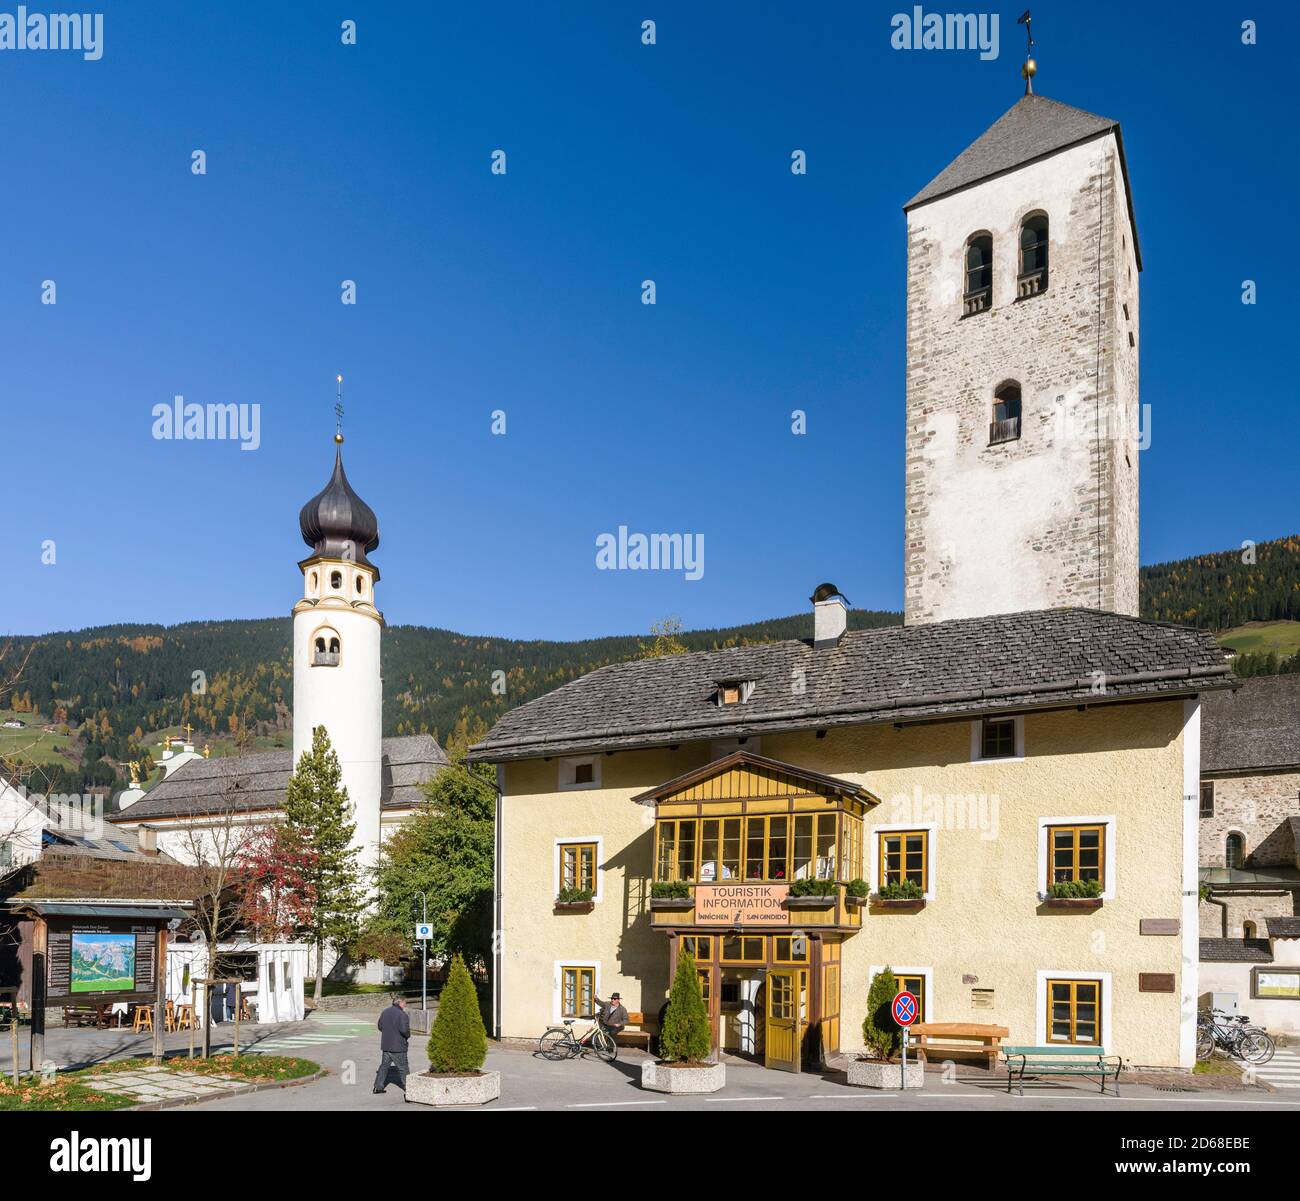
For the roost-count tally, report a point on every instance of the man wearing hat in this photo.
(611, 1015)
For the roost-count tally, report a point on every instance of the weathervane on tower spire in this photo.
(1030, 69)
(338, 412)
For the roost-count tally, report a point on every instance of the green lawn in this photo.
(256, 1069)
(1260, 637)
(62, 1093)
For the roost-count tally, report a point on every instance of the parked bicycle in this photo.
(559, 1042)
(1232, 1035)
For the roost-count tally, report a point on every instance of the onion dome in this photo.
(337, 523)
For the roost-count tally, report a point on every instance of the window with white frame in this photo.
(580, 772)
(1077, 850)
(997, 738)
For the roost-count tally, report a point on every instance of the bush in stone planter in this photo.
(879, 1030)
(458, 1040)
(686, 1034)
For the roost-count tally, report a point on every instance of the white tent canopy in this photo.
(276, 971)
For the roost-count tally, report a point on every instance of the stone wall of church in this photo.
(1049, 519)
(1258, 808)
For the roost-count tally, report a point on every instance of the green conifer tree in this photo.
(318, 816)
(686, 1034)
(879, 1030)
(458, 1040)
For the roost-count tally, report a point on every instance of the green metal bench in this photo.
(1037, 1062)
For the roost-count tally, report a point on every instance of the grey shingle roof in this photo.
(1031, 128)
(249, 783)
(1235, 950)
(1006, 662)
(1257, 726)
(1283, 927)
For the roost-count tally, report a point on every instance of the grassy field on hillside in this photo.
(31, 744)
(1260, 637)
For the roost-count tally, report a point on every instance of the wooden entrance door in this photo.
(787, 1014)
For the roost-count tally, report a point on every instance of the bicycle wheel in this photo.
(1204, 1044)
(1255, 1047)
(555, 1045)
(604, 1046)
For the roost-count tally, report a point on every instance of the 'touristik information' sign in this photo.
(904, 1009)
(746, 904)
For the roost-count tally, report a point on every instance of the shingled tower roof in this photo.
(1030, 129)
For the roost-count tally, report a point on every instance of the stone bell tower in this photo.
(336, 631)
(1022, 372)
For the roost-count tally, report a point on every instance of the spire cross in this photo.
(338, 409)
(1030, 67)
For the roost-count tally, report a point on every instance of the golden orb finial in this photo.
(338, 439)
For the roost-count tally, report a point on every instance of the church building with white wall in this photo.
(337, 683)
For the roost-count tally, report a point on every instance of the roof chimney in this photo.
(830, 616)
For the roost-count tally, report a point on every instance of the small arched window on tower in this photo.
(336, 580)
(325, 648)
(978, 293)
(1005, 426)
(1032, 278)
(1235, 851)
(361, 585)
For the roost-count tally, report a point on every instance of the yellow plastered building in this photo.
(959, 816)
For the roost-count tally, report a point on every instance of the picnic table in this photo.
(957, 1038)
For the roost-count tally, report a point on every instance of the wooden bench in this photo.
(1036, 1062)
(945, 1039)
(85, 1015)
(639, 1037)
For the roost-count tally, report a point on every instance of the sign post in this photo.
(424, 932)
(904, 1010)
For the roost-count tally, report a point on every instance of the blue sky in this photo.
(522, 292)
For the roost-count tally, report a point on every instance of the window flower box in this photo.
(671, 904)
(897, 904)
(1073, 894)
(574, 906)
(811, 901)
(906, 896)
(575, 900)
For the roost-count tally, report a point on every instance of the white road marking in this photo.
(849, 1096)
(611, 1104)
(727, 1100)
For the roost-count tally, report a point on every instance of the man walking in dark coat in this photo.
(394, 1037)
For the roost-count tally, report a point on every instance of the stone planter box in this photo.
(671, 904)
(574, 906)
(911, 905)
(876, 1073)
(826, 902)
(426, 1089)
(670, 1078)
(1072, 902)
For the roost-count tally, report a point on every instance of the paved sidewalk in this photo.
(149, 1084)
(588, 1085)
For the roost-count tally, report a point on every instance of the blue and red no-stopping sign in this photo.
(904, 1008)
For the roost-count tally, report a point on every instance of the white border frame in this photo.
(926, 974)
(931, 855)
(557, 986)
(600, 857)
(572, 761)
(1040, 1002)
(977, 742)
(1108, 860)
